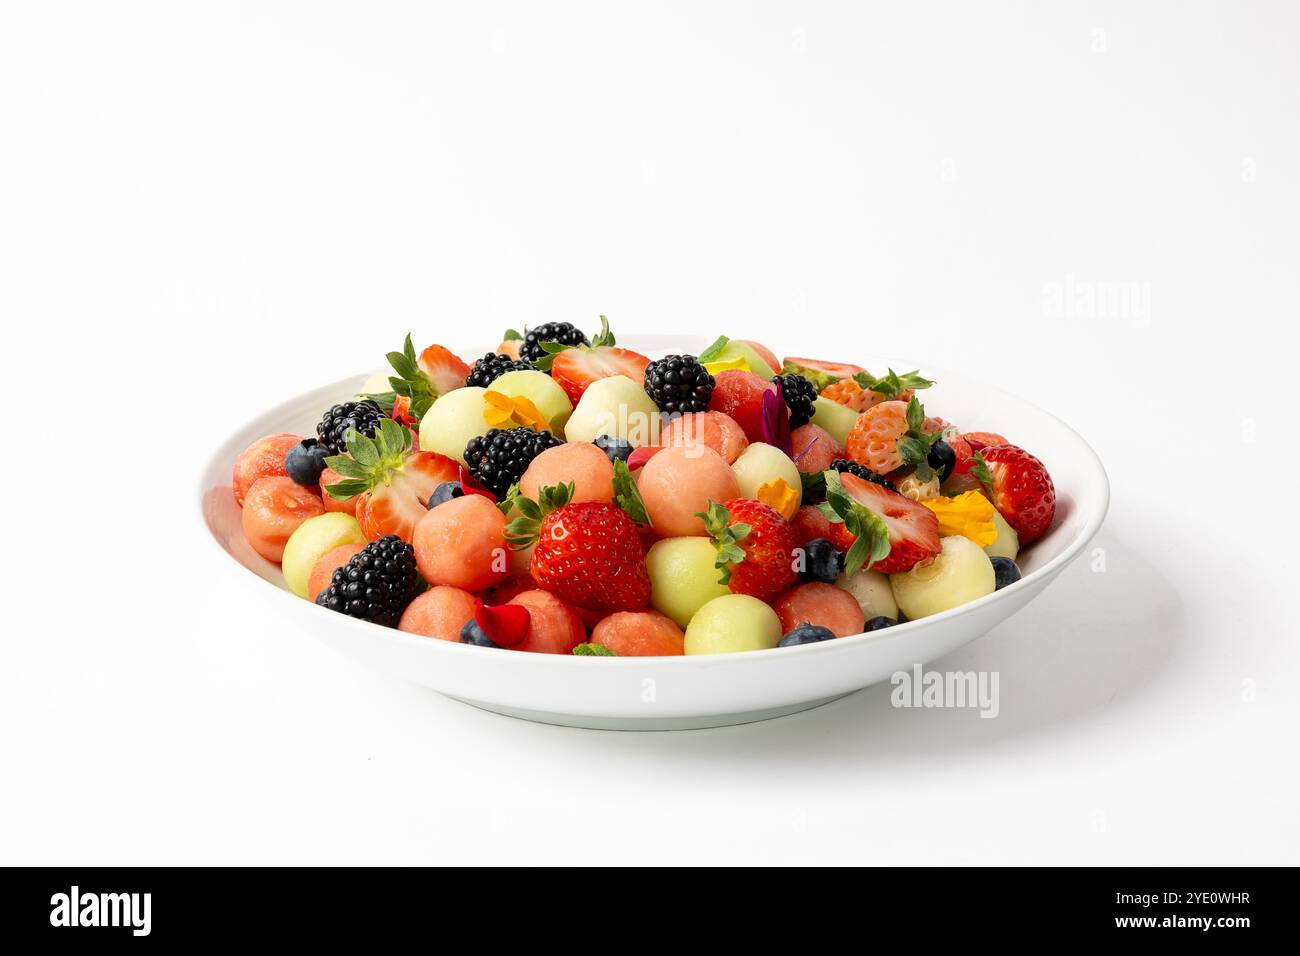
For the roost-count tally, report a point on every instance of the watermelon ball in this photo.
(639, 634)
(262, 459)
(739, 395)
(439, 612)
(824, 605)
(813, 448)
(554, 627)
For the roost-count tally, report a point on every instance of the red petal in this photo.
(641, 455)
(471, 485)
(506, 624)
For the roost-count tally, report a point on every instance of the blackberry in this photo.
(363, 416)
(799, 395)
(376, 584)
(679, 383)
(500, 458)
(492, 366)
(566, 333)
(862, 471)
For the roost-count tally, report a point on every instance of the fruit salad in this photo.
(564, 495)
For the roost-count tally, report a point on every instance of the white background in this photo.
(207, 208)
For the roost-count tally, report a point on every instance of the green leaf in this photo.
(343, 490)
(385, 400)
(871, 543)
(511, 336)
(403, 365)
(410, 381)
(364, 452)
(981, 471)
(813, 484)
(714, 350)
(627, 496)
(507, 504)
(604, 337)
(915, 414)
(593, 650)
(521, 532)
(820, 379)
(347, 466)
(549, 350)
(892, 385)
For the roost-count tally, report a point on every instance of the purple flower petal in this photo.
(806, 448)
(776, 421)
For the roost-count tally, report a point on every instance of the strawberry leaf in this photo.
(511, 336)
(892, 385)
(410, 381)
(507, 504)
(870, 532)
(604, 338)
(343, 490)
(726, 538)
(628, 497)
(981, 471)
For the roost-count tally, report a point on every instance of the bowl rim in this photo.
(1091, 524)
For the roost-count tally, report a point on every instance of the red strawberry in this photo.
(913, 528)
(588, 553)
(390, 483)
(758, 559)
(808, 523)
(574, 369)
(402, 412)
(1021, 489)
(445, 369)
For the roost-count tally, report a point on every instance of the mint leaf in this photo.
(713, 351)
(892, 385)
(593, 650)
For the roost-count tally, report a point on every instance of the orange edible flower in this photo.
(506, 411)
(780, 497)
(969, 515)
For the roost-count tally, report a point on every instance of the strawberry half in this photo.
(1021, 489)
(446, 370)
(390, 482)
(576, 368)
(882, 529)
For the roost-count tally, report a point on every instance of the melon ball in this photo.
(759, 363)
(554, 627)
(639, 634)
(761, 463)
(376, 384)
(589, 468)
(322, 572)
(711, 429)
(734, 622)
(273, 509)
(262, 459)
(614, 406)
(453, 420)
(872, 591)
(683, 576)
(835, 418)
(821, 604)
(1007, 543)
(310, 541)
(813, 448)
(439, 612)
(678, 482)
(461, 543)
(961, 573)
(540, 389)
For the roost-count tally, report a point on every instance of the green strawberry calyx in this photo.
(892, 385)
(821, 380)
(981, 471)
(628, 497)
(726, 538)
(410, 380)
(370, 462)
(914, 447)
(523, 530)
(602, 339)
(871, 534)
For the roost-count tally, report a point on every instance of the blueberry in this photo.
(877, 623)
(444, 493)
(471, 633)
(821, 561)
(616, 448)
(305, 461)
(1005, 571)
(942, 458)
(806, 634)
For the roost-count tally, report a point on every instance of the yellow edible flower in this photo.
(722, 365)
(506, 411)
(779, 496)
(969, 514)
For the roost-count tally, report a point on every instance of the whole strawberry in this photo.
(755, 547)
(1020, 487)
(588, 553)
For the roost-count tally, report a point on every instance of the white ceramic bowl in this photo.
(669, 693)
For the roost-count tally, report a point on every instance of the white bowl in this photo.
(671, 693)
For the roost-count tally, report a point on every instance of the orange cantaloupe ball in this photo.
(678, 482)
(461, 543)
(639, 634)
(582, 463)
(439, 612)
(554, 626)
(322, 572)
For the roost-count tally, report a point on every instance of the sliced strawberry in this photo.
(913, 528)
(395, 505)
(574, 369)
(1022, 490)
(978, 440)
(445, 369)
